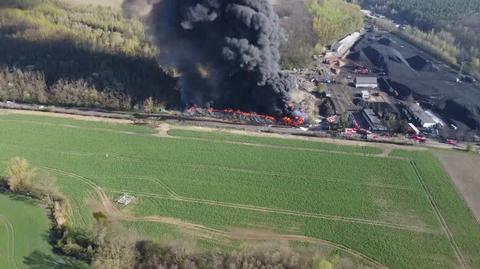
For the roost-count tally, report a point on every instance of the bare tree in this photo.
(20, 175)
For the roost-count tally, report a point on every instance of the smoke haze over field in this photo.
(227, 51)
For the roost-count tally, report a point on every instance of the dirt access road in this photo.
(463, 169)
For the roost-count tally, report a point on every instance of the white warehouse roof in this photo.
(366, 82)
(342, 46)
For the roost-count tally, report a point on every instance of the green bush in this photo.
(333, 20)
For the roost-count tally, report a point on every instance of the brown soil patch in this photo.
(58, 214)
(162, 129)
(463, 169)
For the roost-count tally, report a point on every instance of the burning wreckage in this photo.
(296, 118)
(227, 55)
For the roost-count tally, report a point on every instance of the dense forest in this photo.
(425, 13)
(54, 53)
(460, 18)
(60, 54)
(313, 25)
(333, 20)
(297, 49)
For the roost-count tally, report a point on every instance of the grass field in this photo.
(393, 209)
(269, 141)
(23, 227)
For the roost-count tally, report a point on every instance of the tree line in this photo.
(313, 25)
(54, 53)
(333, 20)
(434, 18)
(60, 51)
(424, 13)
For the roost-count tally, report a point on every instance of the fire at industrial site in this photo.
(225, 52)
(226, 60)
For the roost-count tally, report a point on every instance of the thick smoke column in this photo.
(227, 51)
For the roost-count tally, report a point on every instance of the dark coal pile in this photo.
(385, 86)
(385, 41)
(327, 108)
(404, 92)
(410, 72)
(226, 51)
(395, 59)
(374, 57)
(420, 64)
(459, 112)
(384, 58)
(358, 101)
(354, 56)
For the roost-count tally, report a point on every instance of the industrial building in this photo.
(366, 82)
(419, 115)
(375, 124)
(341, 48)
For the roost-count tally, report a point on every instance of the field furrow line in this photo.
(199, 227)
(176, 197)
(306, 177)
(80, 178)
(157, 181)
(235, 236)
(282, 147)
(223, 168)
(283, 212)
(76, 153)
(285, 174)
(12, 231)
(281, 237)
(301, 214)
(76, 127)
(7, 249)
(441, 219)
(10, 243)
(72, 175)
(233, 169)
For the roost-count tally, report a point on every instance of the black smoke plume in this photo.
(227, 51)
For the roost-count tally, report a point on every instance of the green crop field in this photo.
(398, 210)
(269, 141)
(23, 227)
